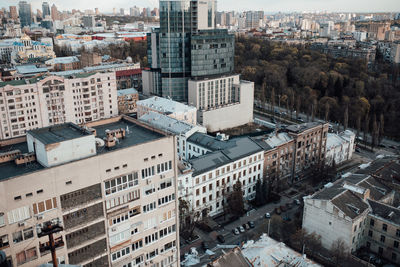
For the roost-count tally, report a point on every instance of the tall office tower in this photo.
(111, 185)
(122, 11)
(186, 46)
(54, 13)
(96, 11)
(45, 9)
(253, 19)
(25, 13)
(13, 12)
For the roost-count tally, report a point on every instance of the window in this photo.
(380, 250)
(394, 256)
(26, 255)
(384, 227)
(18, 215)
(382, 238)
(396, 244)
(2, 221)
(22, 235)
(4, 241)
(149, 207)
(121, 183)
(43, 206)
(398, 232)
(372, 222)
(370, 233)
(120, 253)
(147, 172)
(355, 228)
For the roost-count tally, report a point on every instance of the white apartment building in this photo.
(339, 147)
(167, 107)
(112, 187)
(222, 103)
(214, 174)
(181, 129)
(48, 100)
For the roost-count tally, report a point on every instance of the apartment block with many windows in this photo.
(112, 186)
(49, 100)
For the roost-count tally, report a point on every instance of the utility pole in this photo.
(49, 229)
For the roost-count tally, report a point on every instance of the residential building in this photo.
(216, 166)
(377, 30)
(348, 205)
(112, 186)
(90, 59)
(127, 99)
(222, 102)
(168, 107)
(254, 19)
(130, 78)
(395, 53)
(63, 63)
(339, 147)
(13, 13)
(25, 13)
(88, 21)
(383, 226)
(47, 100)
(181, 129)
(55, 15)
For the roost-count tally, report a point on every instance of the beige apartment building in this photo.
(111, 185)
(48, 100)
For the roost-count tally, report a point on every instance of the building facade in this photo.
(48, 100)
(25, 13)
(127, 99)
(112, 190)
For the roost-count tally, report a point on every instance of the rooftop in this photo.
(165, 105)
(128, 91)
(30, 69)
(269, 252)
(350, 204)
(62, 60)
(136, 134)
(385, 211)
(58, 133)
(165, 123)
(275, 140)
(209, 142)
(235, 149)
(298, 128)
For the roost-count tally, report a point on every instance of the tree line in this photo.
(350, 91)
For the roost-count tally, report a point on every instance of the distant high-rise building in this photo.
(45, 9)
(54, 13)
(122, 11)
(13, 12)
(96, 11)
(25, 13)
(253, 19)
(88, 21)
(114, 11)
(39, 13)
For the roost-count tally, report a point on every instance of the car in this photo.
(221, 238)
(289, 205)
(267, 215)
(205, 245)
(246, 226)
(241, 229)
(251, 224)
(358, 150)
(297, 202)
(235, 231)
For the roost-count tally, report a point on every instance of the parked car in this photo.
(246, 226)
(235, 231)
(241, 229)
(205, 245)
(267, 215)
(358, 150)
(278, 211)
(221, 238)
(251, 224)
(297, 202)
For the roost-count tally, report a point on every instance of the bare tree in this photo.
(188, 218)
(346, 117)
(339, 252)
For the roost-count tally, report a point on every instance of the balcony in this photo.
(44, 248)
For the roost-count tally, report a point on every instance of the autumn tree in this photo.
(235, 200)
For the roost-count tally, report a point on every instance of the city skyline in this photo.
(226, 5)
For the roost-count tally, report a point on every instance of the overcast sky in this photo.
(239, 5)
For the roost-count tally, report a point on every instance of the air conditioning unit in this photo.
(39, 217)
(113, 229)
(21, 224)
(148, 181)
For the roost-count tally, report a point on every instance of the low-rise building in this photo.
(214, 173)
(339, 147)
(167, 107)
(112, 187)
(27, 51)
(127, 99)
(222, 103)
(63, 63)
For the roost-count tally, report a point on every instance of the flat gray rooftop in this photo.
(58, 133)
(135, 135)
(298, 128)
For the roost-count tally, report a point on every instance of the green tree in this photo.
(235, 200)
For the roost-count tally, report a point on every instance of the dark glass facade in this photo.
(25, 15)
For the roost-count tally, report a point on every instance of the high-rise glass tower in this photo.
(187, 46)
(25, 14)
(45, 9)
